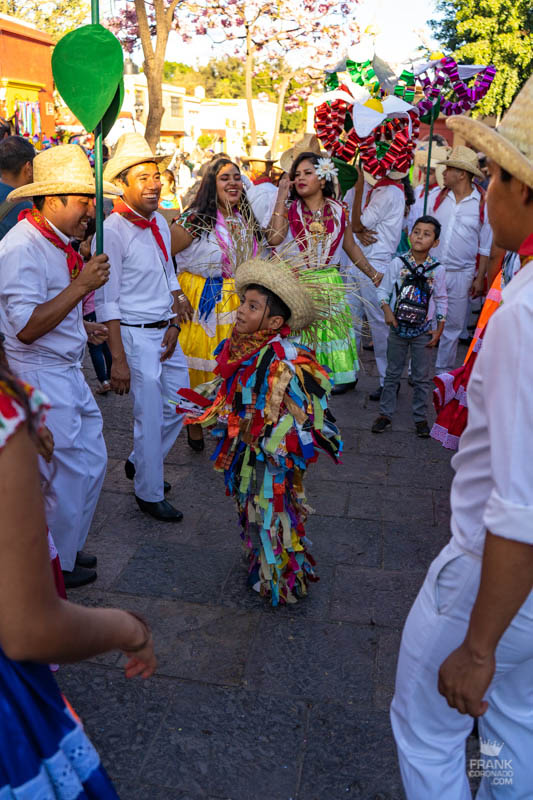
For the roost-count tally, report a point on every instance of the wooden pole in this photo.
(98, 158)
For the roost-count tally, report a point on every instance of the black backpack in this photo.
(412, 297)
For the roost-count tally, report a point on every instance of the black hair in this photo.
(15, 151)
(409, 191)
(205, 205)
(329, 188)
(123, 176)
(38, 201)
(275, 305)
(429, 220)
(505, 176)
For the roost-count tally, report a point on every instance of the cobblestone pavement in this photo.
(250, 702)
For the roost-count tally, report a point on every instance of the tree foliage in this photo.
(55, 18)
(495, 32)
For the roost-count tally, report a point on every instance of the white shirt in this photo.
(438, 299)
(493, 485)
(33, 271)
(140, 279)
(385, 215)
(463, 234)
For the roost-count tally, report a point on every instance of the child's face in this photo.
(253, 314)
(423, 237)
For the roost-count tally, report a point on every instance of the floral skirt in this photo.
(334, 339)
(200, 337)
(44, 752)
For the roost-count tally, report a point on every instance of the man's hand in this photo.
(170, 340)
(120, 375)
(478, 286)
(96, 332)
(435, 336)
(95, 273)
(464, 678)
(185, 312)
(45, 443)
(367, 237)
(390, 319)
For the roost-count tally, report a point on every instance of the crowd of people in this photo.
(242, 313)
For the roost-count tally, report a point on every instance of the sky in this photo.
(394, 22)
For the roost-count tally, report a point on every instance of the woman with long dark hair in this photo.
(43, 749)
(216, 233)
(309, 223)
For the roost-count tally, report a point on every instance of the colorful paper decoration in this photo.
(446, 78)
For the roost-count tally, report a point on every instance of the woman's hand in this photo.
(140, 651)
(284, 188)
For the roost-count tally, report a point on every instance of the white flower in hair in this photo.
(325, 168)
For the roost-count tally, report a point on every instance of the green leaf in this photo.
(113, 111)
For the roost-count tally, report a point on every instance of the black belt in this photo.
(163, 323)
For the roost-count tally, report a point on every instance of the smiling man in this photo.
(42, 283)
(141, 307)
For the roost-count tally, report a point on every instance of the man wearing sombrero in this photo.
(466, 238)
(42, 283)
(141, 307)
(469, 635)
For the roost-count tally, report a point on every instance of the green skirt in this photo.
(334, 339)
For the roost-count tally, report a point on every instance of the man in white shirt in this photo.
(466, 236)
(377, 219)
(467, 646)
(140, 305)
(41, 289)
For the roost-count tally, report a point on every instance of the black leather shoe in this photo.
(342, 388)
(195, 444)
(161, 510)
(376, 395)
(84, 559)
(80, 576)
(129, 469)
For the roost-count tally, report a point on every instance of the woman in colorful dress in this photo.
(43, 749)
(210, 238)
(309, 223)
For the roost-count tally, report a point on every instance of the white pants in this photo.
(458, 285)
(430, 736)
(155, 423)
(73, 480)
(363, 300)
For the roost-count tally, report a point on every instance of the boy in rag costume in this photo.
(271, 419)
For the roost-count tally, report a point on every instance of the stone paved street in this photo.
(250, 702)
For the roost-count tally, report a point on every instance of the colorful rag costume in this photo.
(450, 394)
(205, 270)
(318, 240)
(44, 752)
(271, 419)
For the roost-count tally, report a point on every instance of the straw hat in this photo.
(510, 144)
(64, 169)
(439, 154)
(132, 149)
(281, 279)
(307, 144)
(463, 158)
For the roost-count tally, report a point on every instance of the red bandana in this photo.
(240, 346)
(384, 182)
(126, 212)
(35, 218)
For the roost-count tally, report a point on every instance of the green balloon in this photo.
(87, 65)
(113, 111)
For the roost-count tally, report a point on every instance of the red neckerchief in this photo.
(383, 182)
(423, 189)
(35, 218)
(526, 248)
(125, 211)
(300, 218)
(240, 346)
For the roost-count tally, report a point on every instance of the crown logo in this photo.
(490, 748)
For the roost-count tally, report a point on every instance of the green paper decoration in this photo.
(432, 115)
(113, 111)
(88, 65)
(347, 175)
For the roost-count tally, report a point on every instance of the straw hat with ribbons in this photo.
(132, 149)
(463, 158)
(307, 144)
(64, 169)
(510, 144)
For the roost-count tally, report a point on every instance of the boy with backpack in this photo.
(415, 287)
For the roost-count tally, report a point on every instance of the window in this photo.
(176, 106)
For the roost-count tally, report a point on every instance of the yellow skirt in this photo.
(199, 339)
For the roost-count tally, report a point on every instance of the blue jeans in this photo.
(398, 348)
(100, 354)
